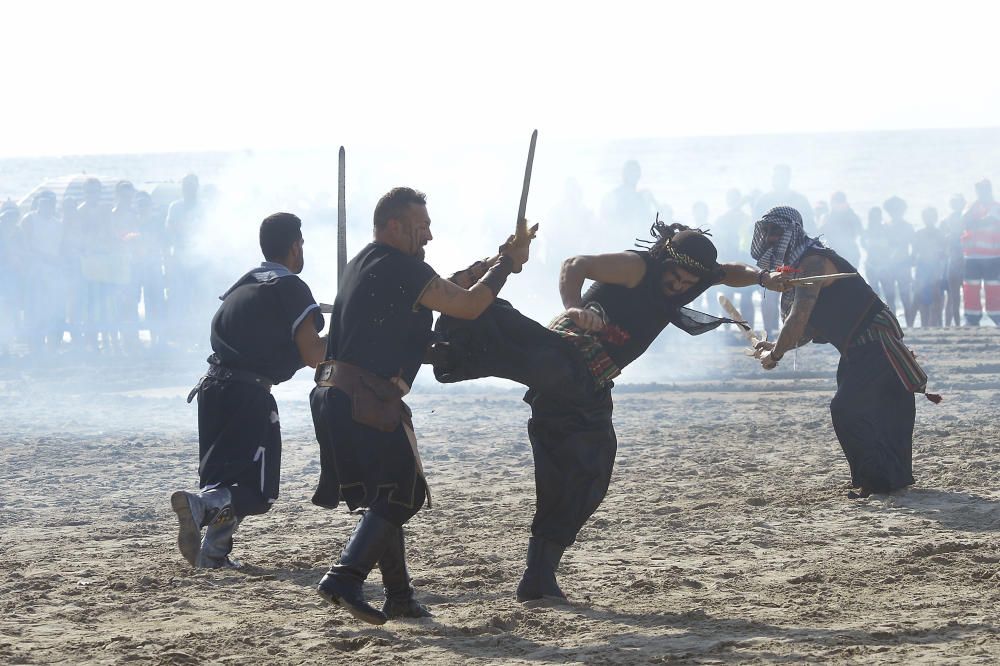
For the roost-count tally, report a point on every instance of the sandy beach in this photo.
(726, 536)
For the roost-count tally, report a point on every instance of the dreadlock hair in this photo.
(661, 232)
(683, 246)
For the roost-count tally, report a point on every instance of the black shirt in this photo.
(377, 322)
(843, 309)
(255, 326)
(640, 312)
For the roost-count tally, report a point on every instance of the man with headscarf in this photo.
(873, 410)
(781, 194)
(569, 368)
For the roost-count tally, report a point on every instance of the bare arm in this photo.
(448, 298)
(739, 275)
(624, 268)
(742, 275)
(312, 347)
(805, 300)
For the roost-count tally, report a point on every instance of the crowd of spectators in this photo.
(92, 273)
(931, 273)
(107, 268)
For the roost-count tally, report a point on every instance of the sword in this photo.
(521, 233)
(327, 308)
(733, 313)
(341, 218)
(814, 279)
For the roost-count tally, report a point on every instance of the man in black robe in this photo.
(873, 410)
(381, 329)
(266, 329)
(569, 366)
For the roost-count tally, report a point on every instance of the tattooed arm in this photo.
(794, 329)
(448, 298)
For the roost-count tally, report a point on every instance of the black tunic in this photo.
(254, 328)
(239, 432)
(378, 325)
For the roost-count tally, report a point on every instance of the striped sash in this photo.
(885, 329)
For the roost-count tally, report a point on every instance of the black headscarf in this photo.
(690, 249)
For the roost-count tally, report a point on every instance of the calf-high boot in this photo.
(342, 584)
(196, 511)
(399, 601)
(538, 584)
(217, 545)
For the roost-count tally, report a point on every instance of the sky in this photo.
(122, 77)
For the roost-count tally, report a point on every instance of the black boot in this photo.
(538, 585)
(343, 582)
(399, 601)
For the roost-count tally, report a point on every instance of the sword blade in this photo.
(341, 217)
(734, 314)
(814, 279)
(521, 229)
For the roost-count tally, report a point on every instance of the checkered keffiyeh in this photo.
(793, 244)
(786, 252)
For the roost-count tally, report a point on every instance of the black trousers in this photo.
(574, 447)
(239, 439)
(572, 438)
(873, 417)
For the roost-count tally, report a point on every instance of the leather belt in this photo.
(224, 374)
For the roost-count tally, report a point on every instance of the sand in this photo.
(726, 535)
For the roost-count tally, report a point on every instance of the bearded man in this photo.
(873, 410)
(381, 327)
(569, 368)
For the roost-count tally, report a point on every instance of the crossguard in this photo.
(523, 235)
(755, 353)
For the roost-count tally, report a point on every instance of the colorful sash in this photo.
(885, 329)
(602, 368)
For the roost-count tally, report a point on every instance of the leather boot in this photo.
(342, 584)
(538, 585)
(195, 511)
(217, 545)
(399, 601)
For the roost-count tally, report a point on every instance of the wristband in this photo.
(760, 277)
(497, 275)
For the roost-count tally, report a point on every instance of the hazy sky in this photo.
(100, 77)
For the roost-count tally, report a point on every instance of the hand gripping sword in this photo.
(751, 337)
(522, 234)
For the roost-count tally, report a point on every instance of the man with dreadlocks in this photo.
(873, 410)
(569, 366)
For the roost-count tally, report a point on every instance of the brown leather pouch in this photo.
(375, 401)
(377, 405)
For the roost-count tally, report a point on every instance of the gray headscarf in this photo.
(793, 244)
